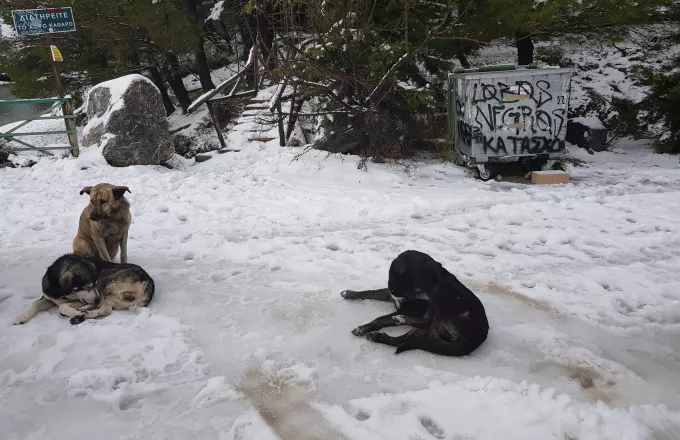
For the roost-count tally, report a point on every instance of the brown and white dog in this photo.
(104, 223)
(88, 288)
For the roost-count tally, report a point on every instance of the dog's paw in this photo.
(399, 319)
(375, 336)
(348, 294)
(19, 321)
(360, 331)
(77, 319)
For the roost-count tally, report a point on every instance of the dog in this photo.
(104, 223)
(87, 288)
(448, 319)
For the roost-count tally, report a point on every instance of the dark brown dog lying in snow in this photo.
(448, 318)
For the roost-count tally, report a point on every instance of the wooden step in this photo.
(261, 139)
(257, 115)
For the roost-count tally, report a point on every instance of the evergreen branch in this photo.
(409, 54)
(329, 91)
(463, 39)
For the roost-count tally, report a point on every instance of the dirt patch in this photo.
(504, 291)
(285, 408)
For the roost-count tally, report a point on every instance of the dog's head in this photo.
(71, 278)
(414, 278)
(104, 199)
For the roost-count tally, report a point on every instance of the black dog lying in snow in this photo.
(448, 318)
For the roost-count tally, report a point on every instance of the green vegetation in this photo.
(378, 65)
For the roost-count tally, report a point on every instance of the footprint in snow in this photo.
(362, 415)
(432, 427)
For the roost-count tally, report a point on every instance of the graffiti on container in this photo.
(521, 118)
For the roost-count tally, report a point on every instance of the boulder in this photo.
(126, 118)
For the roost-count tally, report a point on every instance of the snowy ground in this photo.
(250, 251)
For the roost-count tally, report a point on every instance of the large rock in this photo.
(127, 118)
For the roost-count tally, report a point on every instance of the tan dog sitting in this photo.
(104, 223)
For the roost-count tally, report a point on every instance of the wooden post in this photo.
(216, 123)
(67, 110)
(291, 121)
(256, 54)
(264, 68)
(55, 67)
(66, 107)
(279, 116)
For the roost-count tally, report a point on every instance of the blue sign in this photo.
(43, 21)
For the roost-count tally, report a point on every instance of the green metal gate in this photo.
(67, 116)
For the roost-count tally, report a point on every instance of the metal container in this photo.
(507, 114)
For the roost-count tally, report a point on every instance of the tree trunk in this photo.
(203, 68)
(248, 29)
(219, 36)
(175, 81)
(133, 58)
(246, 37)
(266, 34)
(525, 48)
(462, 59)
(157, 79)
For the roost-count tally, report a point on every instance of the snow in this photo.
(7, 31)
(590, 122)
(192, 82)
(549, 172)
(455, 408)
(250, 250)
(216, 11)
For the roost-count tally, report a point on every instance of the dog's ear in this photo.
(119, 191)
(86, 190)
(66, 283)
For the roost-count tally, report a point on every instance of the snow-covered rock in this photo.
(127, 119)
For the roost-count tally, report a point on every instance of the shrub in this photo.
(553, 56)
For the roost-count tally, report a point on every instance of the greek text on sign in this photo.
(43, 21)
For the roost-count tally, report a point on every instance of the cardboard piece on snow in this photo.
(548, 177)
